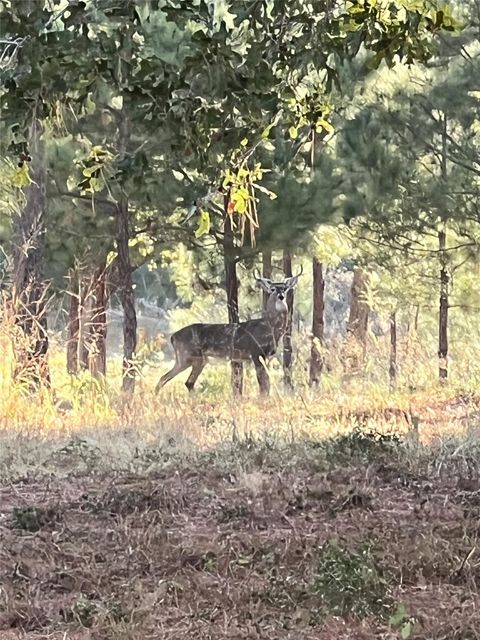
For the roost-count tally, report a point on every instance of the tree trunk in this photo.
(97, 352)
(287, 338)
(90, 324)
(357, 325)
(443, 309)
(231, 284)
(29, 290)
(85, 320)
(444, 279)
(392, 370)
(316, 360)
(267, 273)
(73, 327)
(127, 297)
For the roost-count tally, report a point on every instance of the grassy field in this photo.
(245, 520)
(351, 513)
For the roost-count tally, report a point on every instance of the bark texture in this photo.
(392, 369)
(73, 326)
(318, 323)
(444, 277)
(231, 285)
(267, 273)
(443, 310)
(124, 267)
(357, 325)
(287, 338)
(97, 356)
(87, 326)
(29, 288)
(127, 297)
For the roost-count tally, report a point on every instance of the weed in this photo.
(402, 622)
(32, 519)
(363, 446)
(89, 612)
(351, 582)
(83, 612)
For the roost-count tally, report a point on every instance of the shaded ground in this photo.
(207, 553)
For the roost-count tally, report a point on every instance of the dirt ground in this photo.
(202, 553)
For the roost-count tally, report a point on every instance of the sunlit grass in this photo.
(211, 413)
(82, 405)
(82, 424)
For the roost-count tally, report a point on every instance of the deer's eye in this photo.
(272, 290)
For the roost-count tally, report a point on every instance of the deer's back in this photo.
(237, 341)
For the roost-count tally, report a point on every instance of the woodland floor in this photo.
(298, 552)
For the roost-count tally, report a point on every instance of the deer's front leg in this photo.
(262, 376)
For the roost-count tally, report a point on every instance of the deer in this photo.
(254, 340)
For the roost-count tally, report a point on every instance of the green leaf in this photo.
(406, 631)
(228, 180)
(240, 203)
(244, 142)
(322, 124)
(266, 131)
(21, 177)
(398, 617)
(117, 102)
(293, 131)
(89, 171)
(89, 105)
(111, 257)
(203, 224)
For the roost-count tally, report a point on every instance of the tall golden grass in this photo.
(344, 401)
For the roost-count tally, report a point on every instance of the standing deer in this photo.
(254, 340)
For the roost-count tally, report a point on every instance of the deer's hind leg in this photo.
(177, 368)
(197, 368)
(262, 376)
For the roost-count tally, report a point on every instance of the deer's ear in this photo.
(290, 283)
(264, 283)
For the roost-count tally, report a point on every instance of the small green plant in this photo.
(402, 622)
(351, 582)
(362, 445)
(84, 612)
(32, 519)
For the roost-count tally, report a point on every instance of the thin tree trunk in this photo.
(91, 327)
(267, 273)
(73, 327)
(85, 320)
(444, 279)
(231, 284)
(29, 290)
(443, 310)
(287, 338)
(97, 352)
(416, 318)
(392, 370)
(357, 325)
(318, 323)
(127, 297)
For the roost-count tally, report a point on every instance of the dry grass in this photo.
(238, 547)
(317, 515)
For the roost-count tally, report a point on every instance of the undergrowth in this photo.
(352, 582)
(347, 512)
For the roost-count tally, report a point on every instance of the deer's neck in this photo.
(278, 324)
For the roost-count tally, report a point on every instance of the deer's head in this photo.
(277, 293)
